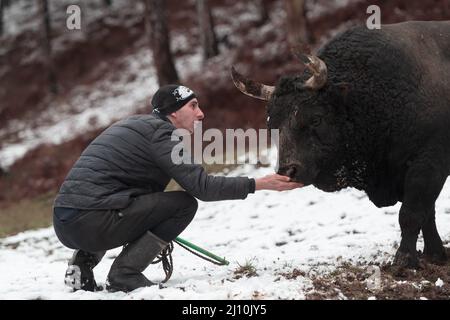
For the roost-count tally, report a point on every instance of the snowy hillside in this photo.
(90, 107)
(291, 239)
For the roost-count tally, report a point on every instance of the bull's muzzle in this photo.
(288, 171)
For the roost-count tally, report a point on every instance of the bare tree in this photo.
(158, 33)
(2, 6)
(297, 23)
(47, 47)
(263, 11)
(207, 35)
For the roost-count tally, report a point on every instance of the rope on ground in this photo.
(165, 256)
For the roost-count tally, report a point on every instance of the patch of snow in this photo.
(439, 282)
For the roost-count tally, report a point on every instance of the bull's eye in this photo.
(316, 121)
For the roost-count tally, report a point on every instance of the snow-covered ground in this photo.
(276, 232)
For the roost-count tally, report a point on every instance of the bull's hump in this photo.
(432, 37)
(428, 42)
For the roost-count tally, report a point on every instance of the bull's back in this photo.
(428, 45)
(405, 69)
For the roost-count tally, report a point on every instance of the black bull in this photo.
(371, 111)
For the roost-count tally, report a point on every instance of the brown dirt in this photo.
(351, 282)
(294, 274)
(41, 170)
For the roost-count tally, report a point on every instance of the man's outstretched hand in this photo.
(276, 182)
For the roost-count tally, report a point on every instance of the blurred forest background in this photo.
(59, 88)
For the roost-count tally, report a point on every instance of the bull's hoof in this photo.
(406, 260)
(438, 257)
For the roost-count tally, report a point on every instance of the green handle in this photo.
(205, 252)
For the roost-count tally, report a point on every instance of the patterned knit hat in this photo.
(170, 98)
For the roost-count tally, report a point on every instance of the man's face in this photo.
(186, 115)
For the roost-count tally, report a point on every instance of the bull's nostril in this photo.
(291, 172)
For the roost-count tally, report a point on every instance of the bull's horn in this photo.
(319, 70)
(251, 88)
(314, 64)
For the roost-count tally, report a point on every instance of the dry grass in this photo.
(27, 214)
(248, 270)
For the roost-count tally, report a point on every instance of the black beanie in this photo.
(170, 98)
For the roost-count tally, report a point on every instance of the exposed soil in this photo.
(41, 170)
(358, 282)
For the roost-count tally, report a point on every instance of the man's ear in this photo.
(173, 114)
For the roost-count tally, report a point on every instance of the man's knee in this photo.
(188, 203)
(191, 203)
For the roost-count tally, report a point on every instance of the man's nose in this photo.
(200, 114)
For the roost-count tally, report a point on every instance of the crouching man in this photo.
(114, 194)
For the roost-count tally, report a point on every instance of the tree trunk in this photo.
(46, 46)
(2, 6)
(263, 11)
(158, 33)
(297, 23)
(206, 27)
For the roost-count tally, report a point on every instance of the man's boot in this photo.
(79, 274)
(126, 271)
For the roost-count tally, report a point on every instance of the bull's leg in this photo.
(434, 250)
(423, 183)
(410, 221)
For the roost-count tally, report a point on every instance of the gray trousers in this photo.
(166, 214)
